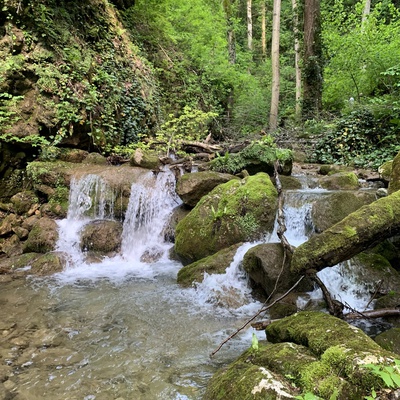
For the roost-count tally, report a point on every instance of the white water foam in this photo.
(151, 203)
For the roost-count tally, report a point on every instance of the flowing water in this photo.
(123, 328)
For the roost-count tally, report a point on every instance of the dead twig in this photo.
(263, 309)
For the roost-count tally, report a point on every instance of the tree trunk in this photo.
(297, 56)
(276, 18)
(230, 31)
(366, 12)
(360, 230)
(249, 26)
(312, 63)
(263, 29)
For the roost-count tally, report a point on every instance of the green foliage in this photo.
(263, 151)
(389, 375)
(191, 125)
(361, 138)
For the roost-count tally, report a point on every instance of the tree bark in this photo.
(249, 26)
(263, 29)
(297, 56)
(364, 228)
(276, 19)
(312, 62)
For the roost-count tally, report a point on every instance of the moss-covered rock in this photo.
(394, 182)
(328, 210)
(342, 351)
(234, 212)
(331, 169)
(256, 157)
(372, 272)
(23, 201)
(290, 182)
(340, 181)
(43, 236)
(48, 264)
(145, 159)
(214, 264)
(309, 352)
(249, 378)
(389, 340)
(385, 170)
(192, 187)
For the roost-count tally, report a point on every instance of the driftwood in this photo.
(200, 147)
(381, 313)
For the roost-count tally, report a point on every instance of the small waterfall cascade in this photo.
(151, 202)
(150, 205)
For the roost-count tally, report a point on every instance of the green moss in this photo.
(233, 212)
(214, 264)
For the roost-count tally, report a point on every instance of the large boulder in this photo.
(309, 352)
(101, 237)
(192, 187)
(340, 181)
(234, 212)
(265, 266)
(328, 210)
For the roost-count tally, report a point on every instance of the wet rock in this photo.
(43, 236)
(48, 264)
(331, 169)
(264, 264)
(233, 212)
(11, 246)
(8, 224)
(330, 209)
(390, 340)
(73, 155)
(102, 236)
(214, 264)
(145, 159)
(340, 181)
(192, 187)
(290, 182)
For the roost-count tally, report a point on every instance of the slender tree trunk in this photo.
(366, 12)
(230, 33)
(297, 56)
(312, 63)
(249, 26)
(263, 29)
(276, 17)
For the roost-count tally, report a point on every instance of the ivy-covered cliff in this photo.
(70, 76)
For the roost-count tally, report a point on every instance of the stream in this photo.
(122, 328)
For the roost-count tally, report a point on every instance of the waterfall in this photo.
(143, 248)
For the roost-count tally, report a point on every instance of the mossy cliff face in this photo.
(70, 76)
(236, 211)
(308, 352)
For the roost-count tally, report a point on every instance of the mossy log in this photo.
(364, 228)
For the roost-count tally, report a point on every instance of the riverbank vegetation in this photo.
(104, 76)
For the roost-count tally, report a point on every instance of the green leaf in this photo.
(254, 342)
(387, 379)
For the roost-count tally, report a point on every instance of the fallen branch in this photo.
(263, 309)
(281, 217)
(335, 307)
(381, 313)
